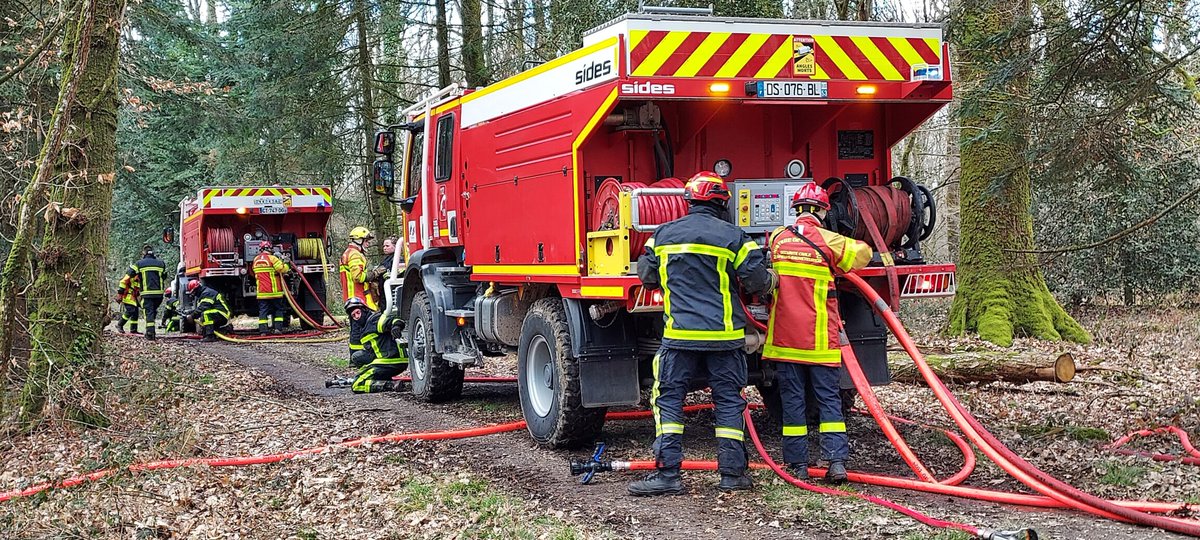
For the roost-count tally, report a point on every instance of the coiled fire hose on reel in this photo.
(652, 210)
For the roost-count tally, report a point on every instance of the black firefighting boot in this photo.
(264, 329)
(735, 482)
(836, 473)
(150, 334)
(660, 482)
(278, 329)
(209, 335)
(798, 470)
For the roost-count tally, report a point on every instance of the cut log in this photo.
(986, 367)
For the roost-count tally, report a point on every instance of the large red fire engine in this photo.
(528, 201)
(222, 227)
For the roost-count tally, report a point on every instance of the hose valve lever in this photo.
(592, 466)
(1020, 534)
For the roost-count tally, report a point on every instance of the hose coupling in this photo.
(341, 382)
(592, 466)
(1019, 534)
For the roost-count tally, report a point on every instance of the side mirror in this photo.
(385, 143)
(408, 204)
(383, 177)
(168, 236)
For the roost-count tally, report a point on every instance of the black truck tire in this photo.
(433, 378)
(548, 381)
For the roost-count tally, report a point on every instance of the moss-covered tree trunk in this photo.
(442, 32)
(72, 299)
(1001, 294)
(472, 49)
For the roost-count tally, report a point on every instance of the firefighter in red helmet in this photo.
(804, 333)
(268, 275)
(701, 262)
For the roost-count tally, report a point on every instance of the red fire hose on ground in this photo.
(995, 450)
(1192, 459)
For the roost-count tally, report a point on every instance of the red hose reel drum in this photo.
(652, 210)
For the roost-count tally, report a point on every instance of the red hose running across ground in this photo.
(995, 450)
(1184, 440)
(928, 520)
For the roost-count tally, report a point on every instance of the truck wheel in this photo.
(433, 378)
(548, 380)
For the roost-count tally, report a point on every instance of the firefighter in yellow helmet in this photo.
(355, 276)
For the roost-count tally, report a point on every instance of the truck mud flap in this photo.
(448, 287)
(608, 367)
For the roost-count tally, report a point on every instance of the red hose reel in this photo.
(652, 210)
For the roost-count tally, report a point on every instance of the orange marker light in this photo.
(462, 321)
(241, 210)
(718, 88)
(866, 90)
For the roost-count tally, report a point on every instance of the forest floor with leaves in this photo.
(176, 399)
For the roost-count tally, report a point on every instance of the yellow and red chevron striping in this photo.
(727, 55)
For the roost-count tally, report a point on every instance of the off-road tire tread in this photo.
(576, 425)
(445, 379)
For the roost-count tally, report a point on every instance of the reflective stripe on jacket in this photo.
(353, 273)
(378, 339)
(702, 262)
(268, 273)
(129, 287)
(211, 302)
(805, 325)
(150, 271)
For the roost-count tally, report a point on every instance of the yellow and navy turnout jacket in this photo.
(701, 262)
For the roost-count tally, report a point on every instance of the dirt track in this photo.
(514, 464)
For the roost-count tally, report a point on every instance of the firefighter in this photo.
(379, 274)
(353, 268)
(353, 271)
(702, 263)
(268, 273)
(358, 313)
(127, 295)
(170, 317)
(151, 272)
(804, 333)
(214, 311)
(381, 357)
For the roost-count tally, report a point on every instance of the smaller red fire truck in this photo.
(223, 226)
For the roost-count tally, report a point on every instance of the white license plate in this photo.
(793, 89)
(273, 210)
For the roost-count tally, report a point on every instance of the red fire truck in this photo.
(528, 201)
(221, 228)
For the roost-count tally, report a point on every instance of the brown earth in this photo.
(236, 399)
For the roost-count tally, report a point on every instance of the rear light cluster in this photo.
(646, 301)
(928, 285)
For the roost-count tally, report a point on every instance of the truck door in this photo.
(412, 176)
(446, 198)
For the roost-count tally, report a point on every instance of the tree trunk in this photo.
(1001, 294)
(16, 264)
(472, 48)
(383, 217)
(540, 30)
(443, 44)
(516, 29)
(72, 306)
(988, 367)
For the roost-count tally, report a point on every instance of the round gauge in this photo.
(723, 168)
(795, 169)
(248, 237)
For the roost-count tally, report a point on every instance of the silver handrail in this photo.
(648, 192)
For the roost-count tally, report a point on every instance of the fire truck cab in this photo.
(527, 202)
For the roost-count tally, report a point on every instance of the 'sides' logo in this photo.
(645, 88)
(593, 71)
